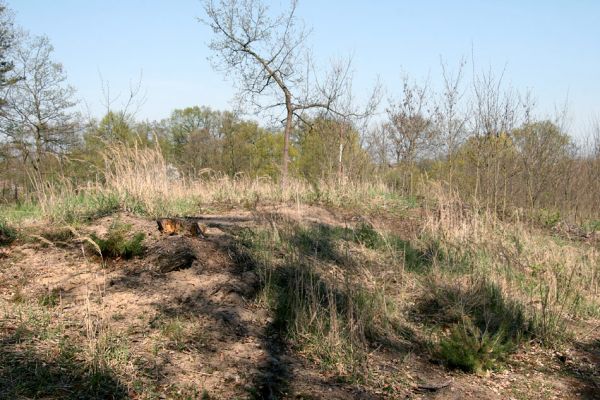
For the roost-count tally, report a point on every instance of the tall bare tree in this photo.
(410, 125)
(269, 56)
(450, 115)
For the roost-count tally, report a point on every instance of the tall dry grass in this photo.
(553, 279)
(140, 179)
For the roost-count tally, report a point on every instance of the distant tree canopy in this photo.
(319, 145)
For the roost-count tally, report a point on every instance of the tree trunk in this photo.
(340, 171)
(286, 141)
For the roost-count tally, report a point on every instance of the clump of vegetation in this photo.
(59, 235)
(472, 350)
(7, 233)
(484, 326)
(50, 299)
(119, 243)
(365, 234)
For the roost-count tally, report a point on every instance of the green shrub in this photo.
(119, 243)
(548, 218)
(471, 350)
(366, 235)
(7, 233)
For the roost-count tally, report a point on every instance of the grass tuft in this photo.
(8, 234)
(118, 242)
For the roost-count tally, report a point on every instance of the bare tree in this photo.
(410, 124)
(449, 117)
(272, 64)
(495, 112)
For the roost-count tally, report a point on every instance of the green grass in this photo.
(15, 213)
(473, 350)
(84, 207)
(33, 365)
(175, 207)
(182, 334)
(50, 299)
(8, 234)
(592, 226)
(119, 242)
(331, 320)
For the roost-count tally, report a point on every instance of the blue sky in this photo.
(550, 47)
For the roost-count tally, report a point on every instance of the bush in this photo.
(118, 243)
(471, 350)
(7, 233)
(366, 235)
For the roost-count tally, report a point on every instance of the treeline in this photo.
(484, 140)
(478, 136)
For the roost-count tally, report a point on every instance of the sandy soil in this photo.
(230, 348)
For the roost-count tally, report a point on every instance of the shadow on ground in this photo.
(586, 369)
(25, 373)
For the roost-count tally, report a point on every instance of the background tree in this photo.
(410, 127)
(39, 117)
(7, 41)
(319, 142)
(194, 133)
(451, 117)
(543, 154)
(269, 56)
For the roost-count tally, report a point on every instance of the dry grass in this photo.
(478, 285)
(140, 180)
(552, 279)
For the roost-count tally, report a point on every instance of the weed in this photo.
(118, 316)
(50, 299)
(18, 296)
(175, 332)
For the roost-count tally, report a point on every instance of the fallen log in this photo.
(433, 387)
